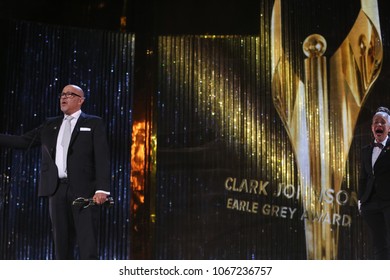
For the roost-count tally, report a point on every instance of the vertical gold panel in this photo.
(215, 122)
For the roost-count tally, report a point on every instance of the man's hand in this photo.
(100, 198)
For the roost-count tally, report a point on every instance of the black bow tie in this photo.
(379, 145)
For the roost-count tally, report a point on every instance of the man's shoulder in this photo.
(90, 117)
(367, 147)
(53, 120)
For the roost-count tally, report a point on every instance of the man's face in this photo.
(380, 126)
(71, 100)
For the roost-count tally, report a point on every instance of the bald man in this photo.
(75, 163)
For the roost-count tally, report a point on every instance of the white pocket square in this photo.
(85, 129)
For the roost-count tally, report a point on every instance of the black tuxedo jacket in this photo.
(88, 166)
(375, 179)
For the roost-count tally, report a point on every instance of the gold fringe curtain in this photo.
(216, 125)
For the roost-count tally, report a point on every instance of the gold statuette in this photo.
(320, 115)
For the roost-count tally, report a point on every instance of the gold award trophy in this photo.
(320, 122)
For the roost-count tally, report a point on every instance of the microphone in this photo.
(86, 202)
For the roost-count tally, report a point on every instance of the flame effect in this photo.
(139, 150)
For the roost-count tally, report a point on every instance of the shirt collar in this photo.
(75, 115)
(383, 142)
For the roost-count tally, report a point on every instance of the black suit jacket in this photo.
(375, 179)
(88, 155)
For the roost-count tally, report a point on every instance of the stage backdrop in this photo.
(38, 61)
(250, 148)
(259, 137)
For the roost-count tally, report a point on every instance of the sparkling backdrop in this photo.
(41, 60)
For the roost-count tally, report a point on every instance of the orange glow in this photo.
(139, 149)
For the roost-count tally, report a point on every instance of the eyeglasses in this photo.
(69, 95)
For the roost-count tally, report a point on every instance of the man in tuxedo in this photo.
(374, 184)
(75, 163)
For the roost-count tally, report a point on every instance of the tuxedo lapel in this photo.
(383, 152)
(369, 158)
(387, 146)
(53, 129)
(82, 119)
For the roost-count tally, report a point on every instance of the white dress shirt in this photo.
(376, 152)
(59, 150)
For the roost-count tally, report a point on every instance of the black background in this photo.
(148, 17)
